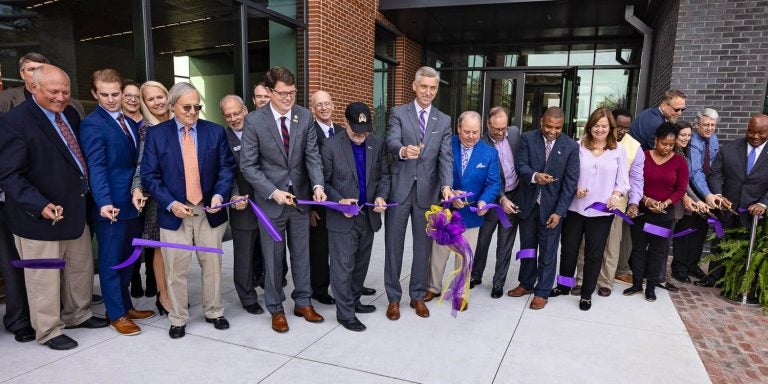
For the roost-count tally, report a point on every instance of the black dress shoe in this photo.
(96, 299)
(650, 295)
(473, 282)
(585, 304)
(633, 290)
(24, 334)
(697, 273)
(324, 298)
(497, 292)
(364, 308)
(681, 278)
(353, 324)
(368, 291)
(177, 332)
(253, 309)
(92, 323)
(219, 322)
(668, 286)
(61, 343)
(705, 282)
(557, 291)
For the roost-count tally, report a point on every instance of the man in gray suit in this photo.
(279, 157)
(419, 139)
(506, 140)
(355, 173)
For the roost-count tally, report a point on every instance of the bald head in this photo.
(322, 106)
(757, 130)
(50, 87)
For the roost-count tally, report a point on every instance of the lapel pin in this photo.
(295, 118)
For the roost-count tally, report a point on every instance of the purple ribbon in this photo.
(452, 198)
(716, 225)
(569, 282)
(264, 220)
(139, 243)
(349, 209)
(499, 212)
(227, 204)
(528, 253)
(39, 263)
(385, 205)
(664, 232)
(598, 206)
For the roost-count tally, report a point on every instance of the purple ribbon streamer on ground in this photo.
(499, 212)
(664, 232)
(716, 225)
(452, 198)
(458, 284)
(349, 209)
(39, 263)
(569, 282)
(264, 220)
(139, 243)
(598, 206)
(226, 204)
(529, 253)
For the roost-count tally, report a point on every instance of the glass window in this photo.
(583, 98)
(380, 99)
(581, 55)
(545, 56)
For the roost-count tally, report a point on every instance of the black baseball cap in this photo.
(359, 117)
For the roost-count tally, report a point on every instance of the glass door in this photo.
(504, 89)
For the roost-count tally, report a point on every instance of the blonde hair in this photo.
(148, 116)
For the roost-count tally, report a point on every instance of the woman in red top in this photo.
(666, 178)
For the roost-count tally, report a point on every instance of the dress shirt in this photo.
(418, 108)
(696, 166)
(277, 117)
(193, 133)
(326, 129)
(115, 115)
(636, 178)
(52, 118)
(758, 150)
(601, 176)
(466, 154)
(533, 177)
(507, 160)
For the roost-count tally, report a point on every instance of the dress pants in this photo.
(58, 298)
(194, 230)
(649, 251)
(625, 250)
(296, 224)
(594, 231)
(538, 273)
(245, 242)
(439, 259)
(319, 272)
(610, 256)
(394, 239)
(686, 250)
(505, 241)
(350, 256)
(114, 247)
(16, 307)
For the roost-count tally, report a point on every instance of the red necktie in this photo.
(284, 133)
(69, 137)
(121, 120)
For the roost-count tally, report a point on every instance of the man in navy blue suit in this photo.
(110, 145)
(548, 165)
(189, 169)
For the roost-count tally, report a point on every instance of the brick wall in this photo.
(411, 57)
(664, 32)
(721, 60)
(341, 49)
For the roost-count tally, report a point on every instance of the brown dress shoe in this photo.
(518, 291)
(393, 311)
(604, 291)
(125, 326)
(308, 313)
(420, 307)
(430, 295)
(626, 279)
(279, 323)
(538, 302)
(136, 314)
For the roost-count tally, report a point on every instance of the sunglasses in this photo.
(188, 107)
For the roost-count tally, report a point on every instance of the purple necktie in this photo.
(422, 124)
(547, 151)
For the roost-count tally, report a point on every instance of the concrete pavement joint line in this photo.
(512, 337)
(682, 332)
(358, 370)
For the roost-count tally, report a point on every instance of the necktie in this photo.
(331, 132)
(464, 159)
(191, 170)
(751, 159)
(284, 133)
(69, 137)
(121, 120)
(547, 151)
(707, 166)
(422, 124)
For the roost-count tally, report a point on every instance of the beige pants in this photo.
(610, 256)
(194, 230)
(58, 297)
(440, 254)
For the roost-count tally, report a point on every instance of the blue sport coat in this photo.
(481, 177)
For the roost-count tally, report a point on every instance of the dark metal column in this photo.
(241, 51)
(142, 40)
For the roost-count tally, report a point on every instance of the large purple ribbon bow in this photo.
(598, 206)
(139, 243)
(499, 212)
(39, 263)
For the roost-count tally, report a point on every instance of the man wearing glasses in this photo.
(280, 158)
(189, 169)
(671, 107)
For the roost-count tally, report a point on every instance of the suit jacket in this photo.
(244, 219)
(563, 165)
(36, 169)
(11, 98)
(434, 167)
(265, 165)
(341, 178)
(112, 159)
(162, 169)
(513, 137)
(481, 177)
(729, 175)
(321, 139)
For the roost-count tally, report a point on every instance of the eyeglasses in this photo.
(188, 107)
(677, 110)
(130, 96)
(284, 95)
(234, 115)
(709, 125)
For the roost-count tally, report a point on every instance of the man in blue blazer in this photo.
(110, 144)
(548, 165)
(189, 169)
(476, 170)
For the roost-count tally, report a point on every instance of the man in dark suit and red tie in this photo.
(189, 169)
(45, 178)
(548, 166)
(109, 141)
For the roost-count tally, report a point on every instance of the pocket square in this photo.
(481, 165)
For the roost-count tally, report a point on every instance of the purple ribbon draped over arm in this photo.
(598, 206)
(499, 212)
(349, 209)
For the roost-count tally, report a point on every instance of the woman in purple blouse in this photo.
(603, 178)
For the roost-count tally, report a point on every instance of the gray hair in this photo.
(178, 90)
(235, 98)
(33, 57)
(39, 73)
(469, 115)
(426, 72)
(708, 112)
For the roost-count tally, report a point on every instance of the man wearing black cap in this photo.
(355, 172)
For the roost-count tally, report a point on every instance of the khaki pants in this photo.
(58, 297)
(194, 230)
(440, 254)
